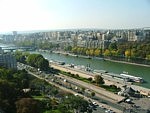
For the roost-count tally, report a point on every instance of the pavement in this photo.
(142, 104)
(108, 80)
(68, 90)
(106, 94)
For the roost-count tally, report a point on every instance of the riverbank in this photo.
(98, 64)
(123, 62)
(99, 58)
(108, 80)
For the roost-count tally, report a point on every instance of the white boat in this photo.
(99, 71)
(132, 78)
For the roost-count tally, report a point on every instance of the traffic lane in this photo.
(98, 110)
(69, 90)
(99, 90)
(96, 97)
(86, 98)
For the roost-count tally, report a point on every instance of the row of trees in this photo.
(11, 84)
(125, 49)
(14, 100)
(86, 51)
(34, 60)
(38, 61)
(45, 45)
(128, 50)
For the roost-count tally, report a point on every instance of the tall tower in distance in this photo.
(14, 33)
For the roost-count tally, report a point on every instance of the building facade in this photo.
(7, 60)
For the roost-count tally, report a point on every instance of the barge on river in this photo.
(123, 76)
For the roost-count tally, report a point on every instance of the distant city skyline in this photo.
(22, 15)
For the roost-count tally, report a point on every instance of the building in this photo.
(135, 35)
(7, 60)
(14, 33)
(1, 51)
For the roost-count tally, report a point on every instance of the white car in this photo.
(109, 111)
(76, 94)
(95, 103)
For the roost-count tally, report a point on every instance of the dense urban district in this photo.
(29, 83)
(131, 45)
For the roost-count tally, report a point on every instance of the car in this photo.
(109, 111)
(76, 94)
(94, 103)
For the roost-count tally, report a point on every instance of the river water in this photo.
(109, 66)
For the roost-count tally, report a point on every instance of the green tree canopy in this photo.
(75, 103)
(113, 46)
(98, 79)
(96, 52)
(27, 105)
(8, 95)
(38, 61)
(107, 52)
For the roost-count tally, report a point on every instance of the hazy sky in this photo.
(65, 14)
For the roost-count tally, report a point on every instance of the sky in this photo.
(22, 15)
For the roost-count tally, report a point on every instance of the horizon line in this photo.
(67, 29)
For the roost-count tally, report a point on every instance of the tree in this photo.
(33, 58)
(148, 57)
(98, 79)
(27, 105)
(8, 96)
(90, 79)
(21, 79)
(7, 90)
(68, 48)
(114, 53)
(38, 61)
(37, 85)
(87, 52)
(107, 53)
(54, 103)
(96, 52)
(43, 64)
(92, 94)
(79, 49)
(75, 103)
(128, 53)
(113, 46)
(20, 57)
(74, 50)
(84, 51)
(91, 52)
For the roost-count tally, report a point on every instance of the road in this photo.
(77, 83)
(106, 94)
(73, 92)
(100, 92)
(108, 80)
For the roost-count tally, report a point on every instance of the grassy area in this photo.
(111, 88)
(38, 97)
(52, 111)
(76, 76)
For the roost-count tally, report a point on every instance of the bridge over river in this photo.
(12, 48)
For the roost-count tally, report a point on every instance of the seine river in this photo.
(113, 67)
(109, 66)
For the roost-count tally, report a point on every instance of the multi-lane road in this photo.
(101, 107)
